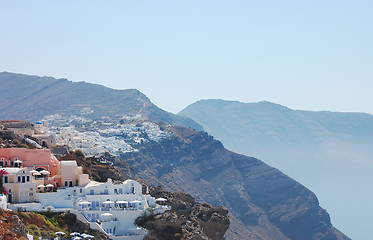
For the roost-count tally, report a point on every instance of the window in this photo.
(11, 163)
(28, 178)
(1, 163)
(81, 190)
(66, 184)
(9, 190)
(19, 178)
(5, 179)
(23, 179)
(92, 192)
(6, 163)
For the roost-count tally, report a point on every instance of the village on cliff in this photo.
(33, 179)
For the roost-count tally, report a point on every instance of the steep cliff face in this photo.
(303, 145)
(264, 203)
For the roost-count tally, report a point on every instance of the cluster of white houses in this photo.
(37, 181)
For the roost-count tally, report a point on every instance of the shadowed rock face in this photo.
(263, 202)
(33, 97)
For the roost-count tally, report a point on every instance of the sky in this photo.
(310, 55)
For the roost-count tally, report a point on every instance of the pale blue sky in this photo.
(314, 55)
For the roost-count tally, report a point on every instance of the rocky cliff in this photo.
(187, 219)
(263, 202)
(11, 227)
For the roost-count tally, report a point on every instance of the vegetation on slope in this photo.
(46, 224)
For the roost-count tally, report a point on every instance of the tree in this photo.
(2, 173)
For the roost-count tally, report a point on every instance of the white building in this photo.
(20, 185)
(72, 174)
(108, 207)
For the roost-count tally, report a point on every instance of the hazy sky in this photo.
(315, 55)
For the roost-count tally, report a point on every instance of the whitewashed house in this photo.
(108, 207)
(20, 185)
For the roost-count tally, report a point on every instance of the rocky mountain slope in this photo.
(32, 97)
(329, 152)
(263, 202)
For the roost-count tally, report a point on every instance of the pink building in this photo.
(30, 158)
(55, 172)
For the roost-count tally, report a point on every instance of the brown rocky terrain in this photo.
(187, 219)
(11, 227)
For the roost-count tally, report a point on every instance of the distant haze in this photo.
(313, 55)
(330, 153)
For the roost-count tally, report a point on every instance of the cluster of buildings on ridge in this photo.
(36, 180)
(97, 136)
(33, 133)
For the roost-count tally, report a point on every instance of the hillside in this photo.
(263, 202)
(329, 152)
(32, 97)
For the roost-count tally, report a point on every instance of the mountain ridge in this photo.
(32, 97)
(329, 152)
